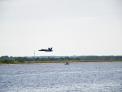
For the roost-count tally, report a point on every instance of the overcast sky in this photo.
(71, 27)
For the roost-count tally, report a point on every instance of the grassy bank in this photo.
(61, 61)
(58, 59)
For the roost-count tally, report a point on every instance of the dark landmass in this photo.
(57, 59)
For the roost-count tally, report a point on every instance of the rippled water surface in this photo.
(76, 77)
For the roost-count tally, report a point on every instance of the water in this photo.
(76, 77)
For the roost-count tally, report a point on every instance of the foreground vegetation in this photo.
(57, 59)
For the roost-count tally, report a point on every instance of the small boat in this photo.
(67, 63)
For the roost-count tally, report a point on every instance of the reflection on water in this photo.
(76, 77)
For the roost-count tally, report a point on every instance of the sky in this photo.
(71, 27)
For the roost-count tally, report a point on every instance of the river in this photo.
(57, 77)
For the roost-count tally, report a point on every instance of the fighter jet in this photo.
(46, 50)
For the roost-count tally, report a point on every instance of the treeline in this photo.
(40, 59)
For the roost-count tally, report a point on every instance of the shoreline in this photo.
(61, 62)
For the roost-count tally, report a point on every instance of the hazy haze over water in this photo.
(72, 27)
